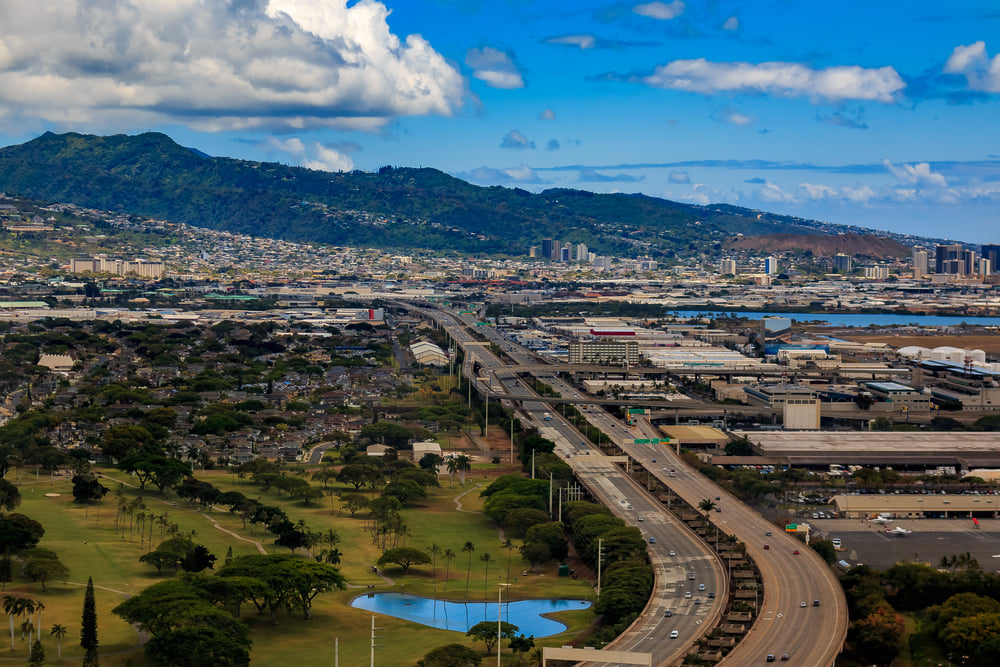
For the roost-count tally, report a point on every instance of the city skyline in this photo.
(880, 116)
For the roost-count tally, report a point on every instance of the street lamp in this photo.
(500, 588)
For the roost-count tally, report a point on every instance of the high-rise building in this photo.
(991, 251)
(533, 251)
(566, 252)
(948, 258)
(547, 248)
(919, 262)
(843, 263)
(582, 252)
(970, 262)
(771, 266)
(728, 267)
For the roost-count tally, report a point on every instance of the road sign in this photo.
(652, 441)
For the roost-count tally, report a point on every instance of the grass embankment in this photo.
(89, 544)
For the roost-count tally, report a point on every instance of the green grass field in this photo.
(90, 545)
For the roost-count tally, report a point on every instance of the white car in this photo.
(687, 594)
(674, 634)
(640, 518)
(673, 553)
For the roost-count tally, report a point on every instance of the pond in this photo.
(460, 616)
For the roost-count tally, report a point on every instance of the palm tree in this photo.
(39, 607)
(448, 555)
(464, 464)
(706, 505)
(508, 544)
(486, 558)
(12, 607)
(435, 550)
(452, 466)
(468, 548)
(58, 631)
(27, 608)
(27, 627)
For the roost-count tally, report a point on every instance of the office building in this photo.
(948, 259)
(771, 266)
(843, 263)
(582, 252)
(728, 267)
(919, 262)
(566, 252)
(991, 251)
(604, 352)
(548, 248)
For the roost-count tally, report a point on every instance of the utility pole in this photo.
(499, 617)
(373, 644)
(600, 558)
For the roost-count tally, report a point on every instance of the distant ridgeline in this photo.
(151, 175)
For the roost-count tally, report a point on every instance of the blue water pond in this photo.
(460, 616)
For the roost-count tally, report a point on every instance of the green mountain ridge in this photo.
(397, 207)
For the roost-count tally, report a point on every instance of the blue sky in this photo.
(878, 114)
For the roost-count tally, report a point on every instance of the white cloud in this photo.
(732, 23)
(679, 177)
(547, 114)
(660, 10)
(918, 174)
(494, 67)
(283, 64)
(778, 78)
(738, 118)
(981, 72)
(516, 141)
(322, 157)
(818, 192)
(584, 42)
(773, 193)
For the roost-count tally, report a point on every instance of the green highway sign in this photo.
(653, 441)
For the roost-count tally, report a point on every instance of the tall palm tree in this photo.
(58, 631)
(39, 607)
(12, 607)
(468, 548)
(452, 466)
(508, 544)
(447, 555)
(27, 608)
(486, 558)
(464, 464)
(435, 550)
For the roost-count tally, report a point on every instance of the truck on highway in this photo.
(547, 417)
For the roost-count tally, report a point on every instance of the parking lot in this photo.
(867, 542)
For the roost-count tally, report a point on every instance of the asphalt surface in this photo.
(931, 539)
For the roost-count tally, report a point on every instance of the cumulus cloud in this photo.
(773, 193)
(547, 114)
(918, 174)
(322, 157)
(516, 141)
(660, 10)
(494, 67)
(980, 71)
(276, 64)
(679, 177)
(732, 23)
(834, 84)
